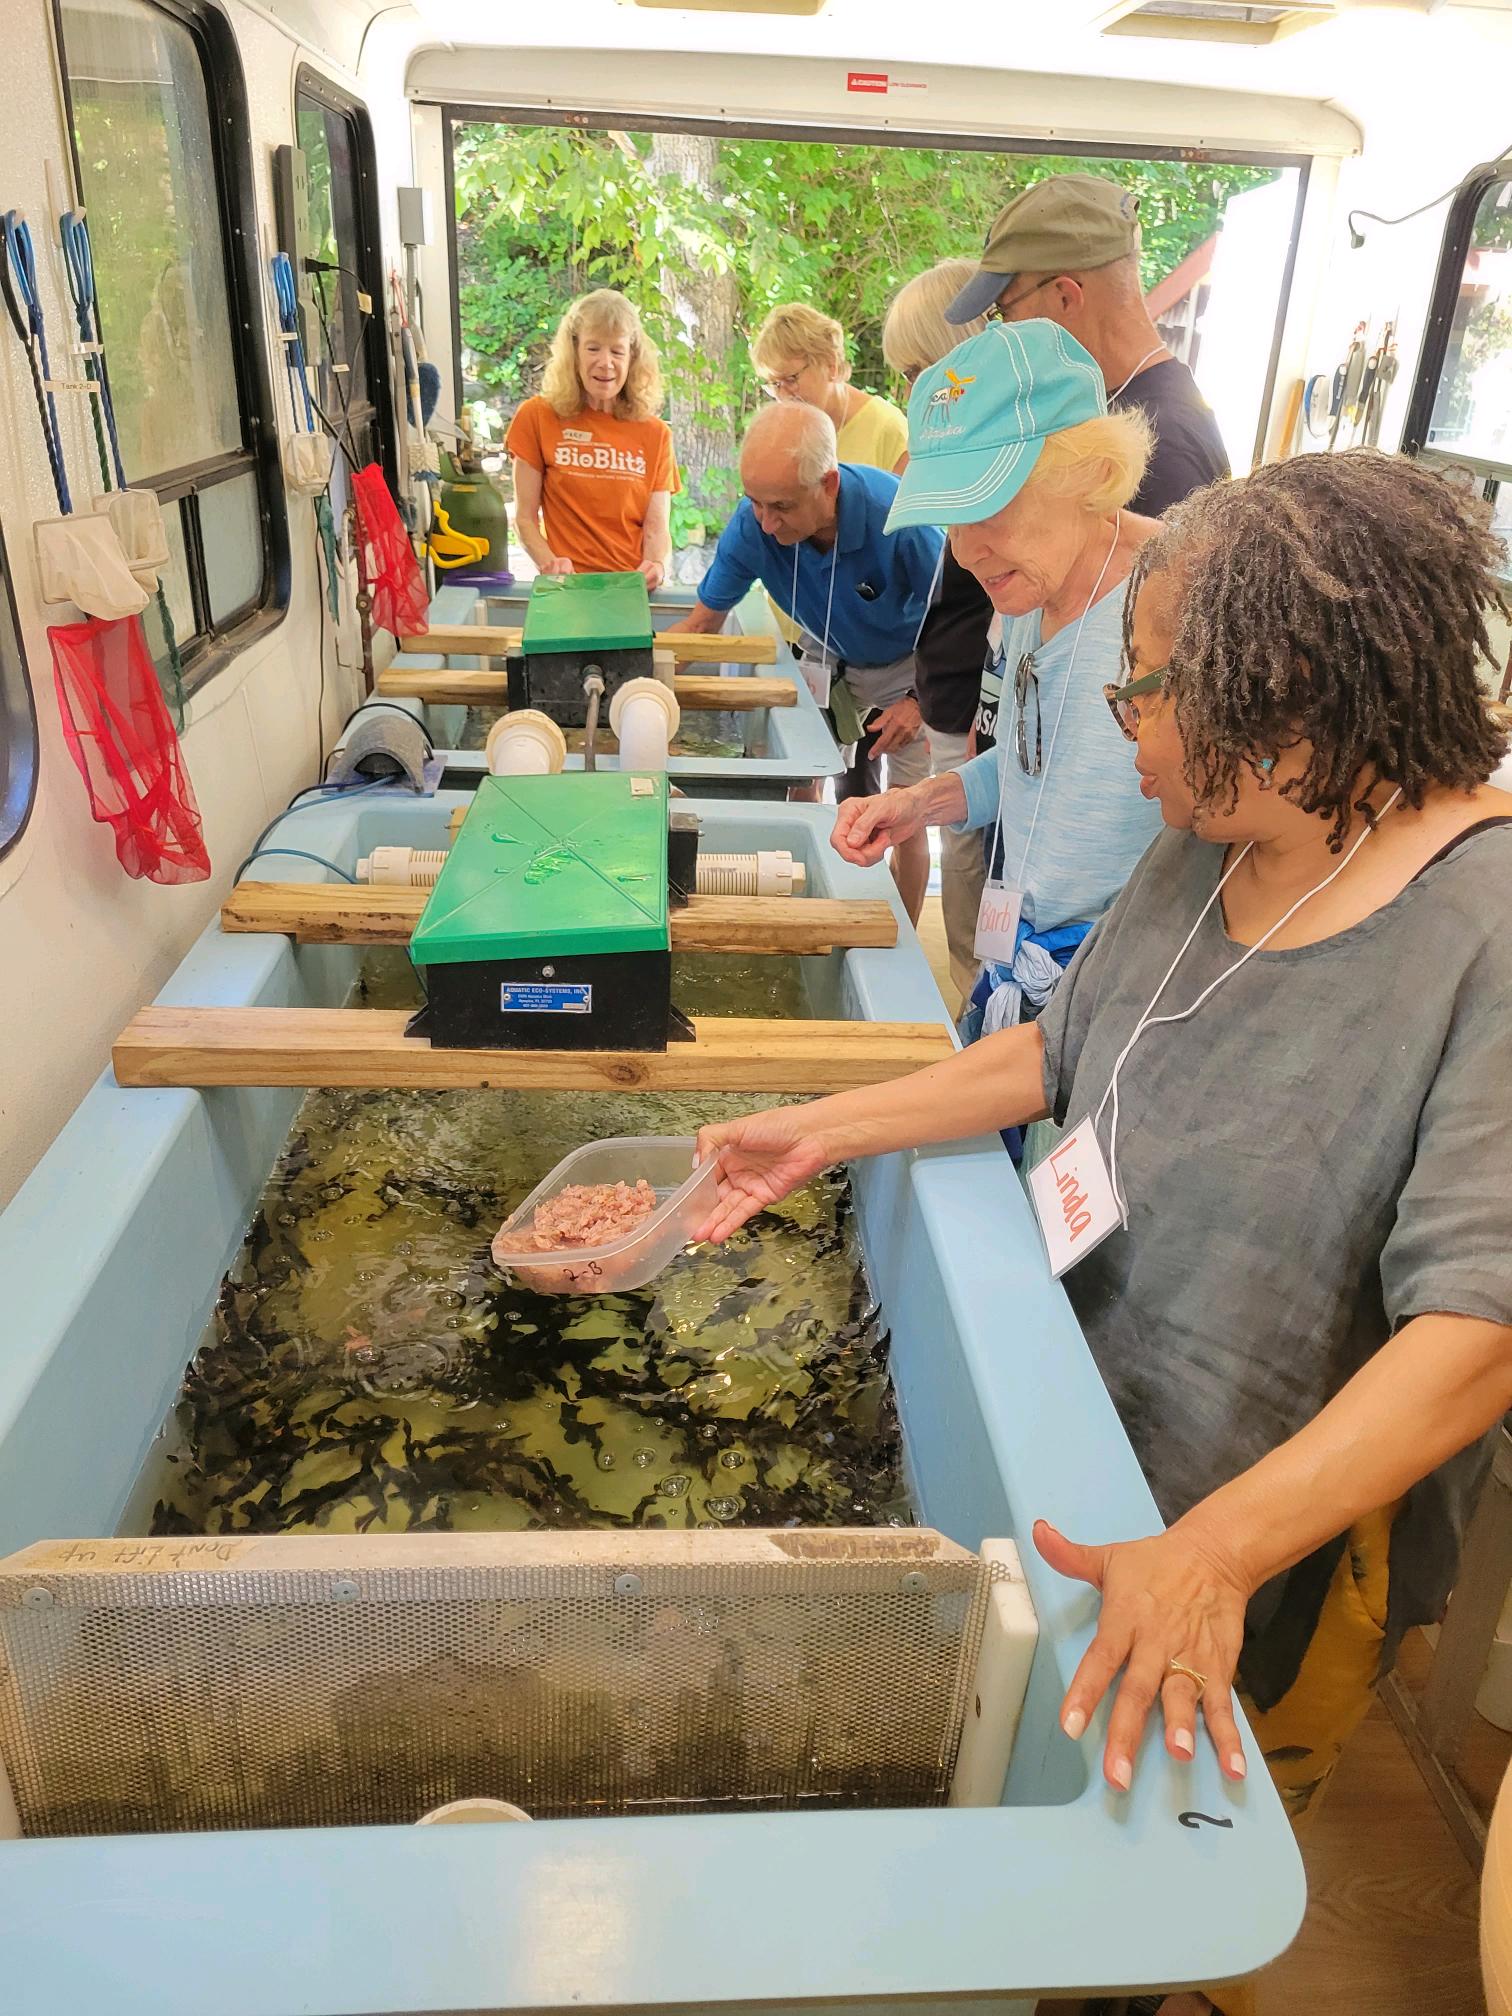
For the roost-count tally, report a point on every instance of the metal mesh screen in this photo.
(186, 1684)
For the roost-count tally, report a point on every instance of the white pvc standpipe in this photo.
(643, 716)
(527, 744)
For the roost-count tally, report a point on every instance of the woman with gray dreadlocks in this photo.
(1287, 1050)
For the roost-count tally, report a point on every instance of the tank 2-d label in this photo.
(537, 999)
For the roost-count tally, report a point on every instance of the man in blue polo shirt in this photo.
(812, 531)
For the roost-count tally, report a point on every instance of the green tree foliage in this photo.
(545, 212)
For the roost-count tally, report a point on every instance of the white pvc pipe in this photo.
(643, 716)
(465, 1812)
(767, 873)
(527, 744)
(402, 867)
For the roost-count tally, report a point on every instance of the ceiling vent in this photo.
(1215, 20)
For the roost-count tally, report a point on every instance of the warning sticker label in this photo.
(516, 998)
(880, 82)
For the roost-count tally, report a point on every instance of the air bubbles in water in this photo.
(673, 1486)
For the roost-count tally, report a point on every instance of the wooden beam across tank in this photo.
(367, 1048)
(697, 693)
(688, 647)
(338, 913)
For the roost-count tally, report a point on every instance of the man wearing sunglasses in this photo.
(1067, 249)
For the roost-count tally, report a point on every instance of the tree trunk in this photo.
(706, 306)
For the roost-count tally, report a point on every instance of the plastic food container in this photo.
(684, 1199)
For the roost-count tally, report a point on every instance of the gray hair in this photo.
(806, 432)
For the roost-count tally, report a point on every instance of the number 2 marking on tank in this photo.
(1191, 1818)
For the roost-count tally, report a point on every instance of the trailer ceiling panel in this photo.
(921, 98)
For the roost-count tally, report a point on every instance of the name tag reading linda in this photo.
(1073, 1197)
(998, 922)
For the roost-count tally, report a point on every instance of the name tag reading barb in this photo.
(998, 922)
(1073, 1197)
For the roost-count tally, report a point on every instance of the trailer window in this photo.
(335, 137)
(1472, 406)
(18, 722)
(174, 286)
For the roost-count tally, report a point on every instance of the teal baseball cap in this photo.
(979, 419)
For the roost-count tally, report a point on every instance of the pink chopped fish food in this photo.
(590, 1214)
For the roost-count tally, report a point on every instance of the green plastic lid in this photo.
(569, 864)
(586, 613)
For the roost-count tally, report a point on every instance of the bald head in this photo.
(790, 470)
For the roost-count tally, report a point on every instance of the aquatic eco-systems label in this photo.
(533, 998)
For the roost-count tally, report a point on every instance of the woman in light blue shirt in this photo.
(1012, 446)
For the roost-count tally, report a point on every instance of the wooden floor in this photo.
(1391, 1920)
(931, 929)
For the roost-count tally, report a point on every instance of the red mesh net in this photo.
(393, 573)
(121, 738)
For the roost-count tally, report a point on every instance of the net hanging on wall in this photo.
(122, 741)
(393, 573)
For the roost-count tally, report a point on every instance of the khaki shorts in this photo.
(909, 765)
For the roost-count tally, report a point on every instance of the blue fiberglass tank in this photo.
(112, 1255)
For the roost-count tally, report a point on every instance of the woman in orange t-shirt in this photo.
(593, 466)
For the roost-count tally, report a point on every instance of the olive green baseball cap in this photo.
(1065, 224)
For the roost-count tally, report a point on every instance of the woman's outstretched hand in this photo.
(761, 1159)
(866, 827)
(556, 565)
(1176, 1596)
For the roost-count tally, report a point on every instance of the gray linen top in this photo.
(1321, 1153)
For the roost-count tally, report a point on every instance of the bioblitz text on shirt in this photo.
(597, 458)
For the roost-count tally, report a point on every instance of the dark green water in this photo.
(367, 1368)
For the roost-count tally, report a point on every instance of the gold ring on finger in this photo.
(1199, 1680)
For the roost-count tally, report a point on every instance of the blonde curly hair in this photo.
(796, 330)
(1100, 463)
(603, 313)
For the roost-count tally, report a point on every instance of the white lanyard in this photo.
(1039, 796)
(1135, 372)
(830, 599)
(1149, 1020)
(933, 587)
(819, 681)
